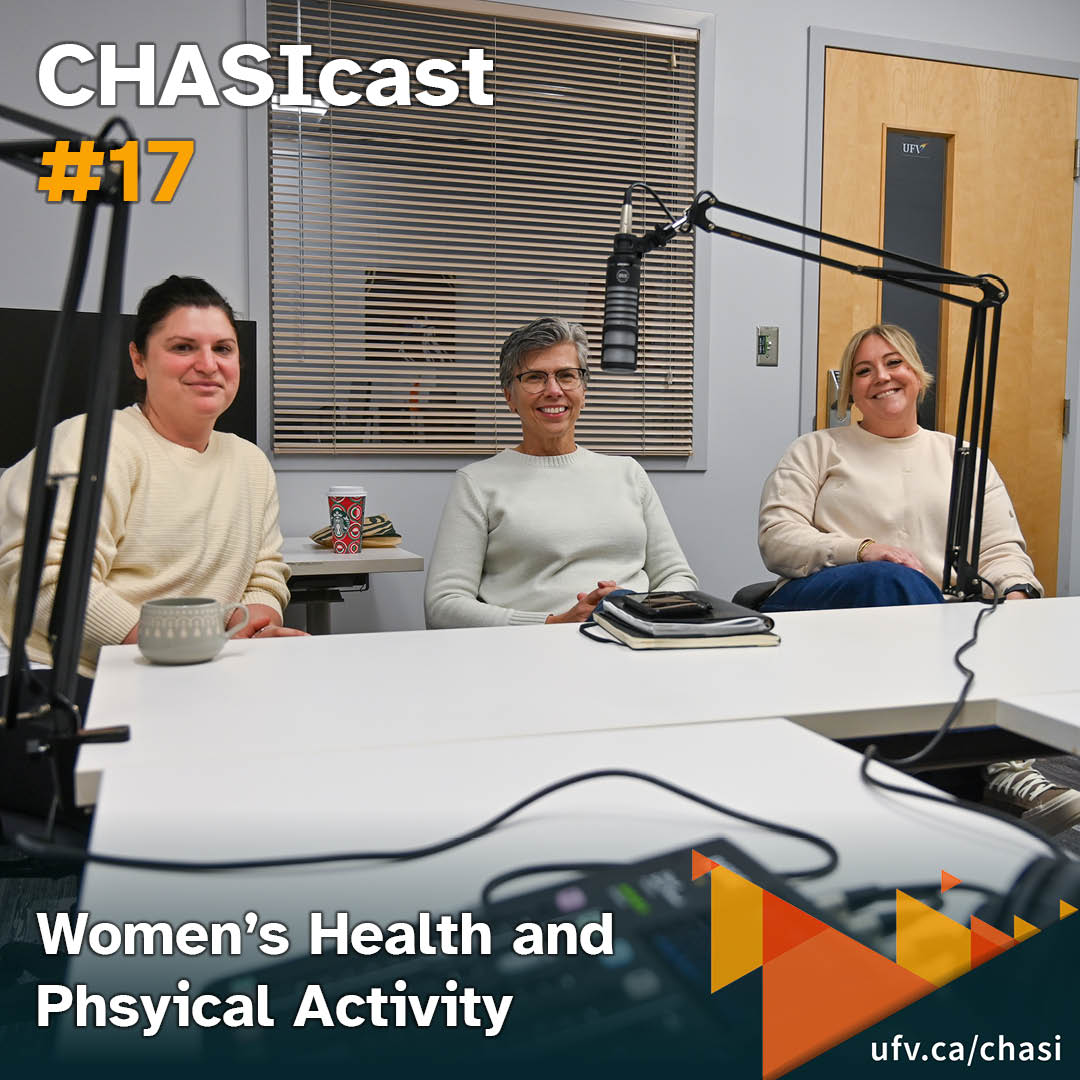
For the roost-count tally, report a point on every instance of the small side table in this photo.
(320, 575)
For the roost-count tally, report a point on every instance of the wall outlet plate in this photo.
(767, 351)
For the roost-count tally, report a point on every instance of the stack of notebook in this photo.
(379, 531)
(682, 620)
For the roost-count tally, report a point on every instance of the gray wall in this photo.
(755, 110)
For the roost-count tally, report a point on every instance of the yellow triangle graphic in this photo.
(1023, 930)
(1066, 909)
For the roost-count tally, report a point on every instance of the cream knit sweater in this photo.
(522, 535)
(835, 488)
(174, 522)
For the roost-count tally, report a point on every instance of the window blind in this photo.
(407, 241)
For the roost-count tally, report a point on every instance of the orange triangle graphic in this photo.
(1066, 909)
(987, 941)
(700, 864)
(784, 926)
(823, 991)
(948, 881)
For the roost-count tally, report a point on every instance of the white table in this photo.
(1052, 718)
(320, 575)
(841, 673)
(296, 798)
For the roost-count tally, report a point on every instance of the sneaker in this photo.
(1019, 788)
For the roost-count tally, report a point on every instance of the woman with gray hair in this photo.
(542, 532)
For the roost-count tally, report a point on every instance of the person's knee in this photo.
(894, 584)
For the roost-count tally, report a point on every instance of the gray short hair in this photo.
(541, 333)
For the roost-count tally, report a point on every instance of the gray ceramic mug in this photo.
(186, 630)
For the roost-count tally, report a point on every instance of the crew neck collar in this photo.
(899, 440)
(549, 461)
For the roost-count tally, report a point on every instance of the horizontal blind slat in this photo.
(406, 242)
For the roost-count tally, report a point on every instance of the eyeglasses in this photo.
(533, 382)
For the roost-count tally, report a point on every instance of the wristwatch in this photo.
(1028, 590)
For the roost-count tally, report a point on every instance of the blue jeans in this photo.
(856, 585)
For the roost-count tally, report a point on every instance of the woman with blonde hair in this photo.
(856, 517)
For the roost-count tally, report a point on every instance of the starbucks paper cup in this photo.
(347, 503)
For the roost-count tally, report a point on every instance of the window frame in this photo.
(258, 206)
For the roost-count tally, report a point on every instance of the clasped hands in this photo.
(887, 553)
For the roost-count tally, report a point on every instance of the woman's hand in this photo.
(277, 631)
(263, 622)
(586, 604)
(888, 553)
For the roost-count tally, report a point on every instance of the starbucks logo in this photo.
(339, 522)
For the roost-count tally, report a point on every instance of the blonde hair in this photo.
(895, 336)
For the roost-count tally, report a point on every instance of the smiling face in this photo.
(885, 389)
(548, 417)
(191, 367)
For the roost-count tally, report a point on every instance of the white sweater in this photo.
(522, 535)
(835, 488)
(174, 522)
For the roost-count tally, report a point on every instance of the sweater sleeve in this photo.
(271, 572)
(1003, 557)
(457, 564)
(665, 563)
(791, 544)
(109, 617)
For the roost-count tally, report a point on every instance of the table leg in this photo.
(318, 616)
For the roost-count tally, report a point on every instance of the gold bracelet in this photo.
(862, 547)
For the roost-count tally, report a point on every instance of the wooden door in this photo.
(1007, 211)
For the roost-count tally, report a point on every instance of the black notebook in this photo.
(636, 639)
(683, 614)
(682, 620)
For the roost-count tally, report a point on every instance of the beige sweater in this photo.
(522, 535)
(833, 489)
(174, 522)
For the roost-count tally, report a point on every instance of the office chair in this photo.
(753, 596)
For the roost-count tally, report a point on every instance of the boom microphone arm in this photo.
(960, 577)
(40, 725)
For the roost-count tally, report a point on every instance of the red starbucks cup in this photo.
(347, 517)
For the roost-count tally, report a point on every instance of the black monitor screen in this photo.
(25, 336)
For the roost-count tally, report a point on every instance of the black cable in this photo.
(871, 754)
(929, 893)
(544, 868)
(41, 848)
(640, 185)
(118, 122)
(607, 639)
(958, 705)
(1058, 851)
(596, 867)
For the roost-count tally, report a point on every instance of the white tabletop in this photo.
(207, 804)
(842, 673)
(1050, 718)
(306, 558)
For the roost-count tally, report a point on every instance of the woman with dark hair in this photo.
(186, 510)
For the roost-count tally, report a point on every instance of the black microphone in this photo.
(621, 289)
